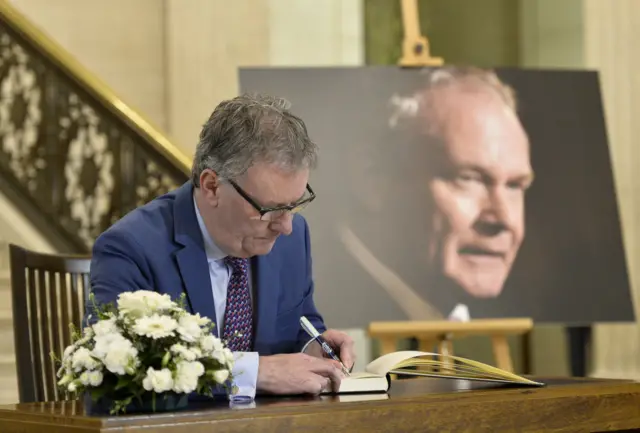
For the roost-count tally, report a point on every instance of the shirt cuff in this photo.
(245, 375)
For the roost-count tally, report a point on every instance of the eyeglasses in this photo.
(273, 213)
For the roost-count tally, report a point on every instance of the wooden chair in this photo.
(48, 293)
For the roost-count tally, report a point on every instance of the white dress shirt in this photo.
(245, 371)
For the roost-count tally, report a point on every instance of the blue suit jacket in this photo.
(159, 247)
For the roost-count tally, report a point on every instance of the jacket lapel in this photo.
(267, 290)
(191, 258)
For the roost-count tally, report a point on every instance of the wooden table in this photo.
(425, 405)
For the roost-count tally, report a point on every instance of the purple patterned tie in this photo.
(238, 316)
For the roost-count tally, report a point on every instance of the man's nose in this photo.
(498, 213)
(283, 224)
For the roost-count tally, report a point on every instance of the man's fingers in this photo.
(343, 344)
(327, 368)
(319, 384)
(347, 355)
(323, 366)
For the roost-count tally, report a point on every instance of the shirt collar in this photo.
(211, 249)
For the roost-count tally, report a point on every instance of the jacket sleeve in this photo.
(309, 309)
(117, 265)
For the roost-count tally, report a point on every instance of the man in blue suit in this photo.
(218, 239)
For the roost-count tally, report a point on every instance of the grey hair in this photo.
(409, 107)
(249, 129)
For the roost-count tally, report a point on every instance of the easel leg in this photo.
(389, 345)
(579, 342)
(501, 352)
(446, 349)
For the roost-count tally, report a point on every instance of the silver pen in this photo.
(313, 332)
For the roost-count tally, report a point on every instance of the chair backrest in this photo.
(48, 293)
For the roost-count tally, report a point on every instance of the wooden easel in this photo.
(441, 333)
(415, 47)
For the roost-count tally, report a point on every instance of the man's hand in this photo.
(297, 373)
(341, 344)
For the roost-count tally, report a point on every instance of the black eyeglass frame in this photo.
(265, 210)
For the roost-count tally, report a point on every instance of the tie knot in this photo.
(236, 263)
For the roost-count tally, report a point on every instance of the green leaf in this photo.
(121, 405)
(123, 381)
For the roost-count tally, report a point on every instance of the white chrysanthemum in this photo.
(228, 354)
(189, 327)
(95, 378)
(144, 303)
(117, 353)
(218, 355)
(92, 378)
(202, 321)
(122, 360)
(195, 367)
(72, 387)
(221, 376)
(158, 380)
(155, 326)
(184, 383)
(186, 377)
(210, 343)
(224, 357)
(196, 351)
(186, 353)
(82, 360)
(103, 344)
(105, 327)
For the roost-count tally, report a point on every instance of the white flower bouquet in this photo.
(147, 347)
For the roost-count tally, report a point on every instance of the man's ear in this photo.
(210, 186)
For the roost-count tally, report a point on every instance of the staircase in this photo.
(74, 158)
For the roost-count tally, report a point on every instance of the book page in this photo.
(436, 367)
(361, 375)
(382, 365)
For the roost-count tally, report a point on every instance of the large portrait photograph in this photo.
(451, 192)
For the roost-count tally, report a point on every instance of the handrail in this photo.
(54, 52)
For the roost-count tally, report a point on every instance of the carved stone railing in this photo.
(73, 157)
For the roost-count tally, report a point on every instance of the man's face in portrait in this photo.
(481, 157)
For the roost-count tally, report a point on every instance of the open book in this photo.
(376, 377)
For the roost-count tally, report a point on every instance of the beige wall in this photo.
(611, 33)
(551, 33)
(202, 59)
(121, 41)
(206, 41)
